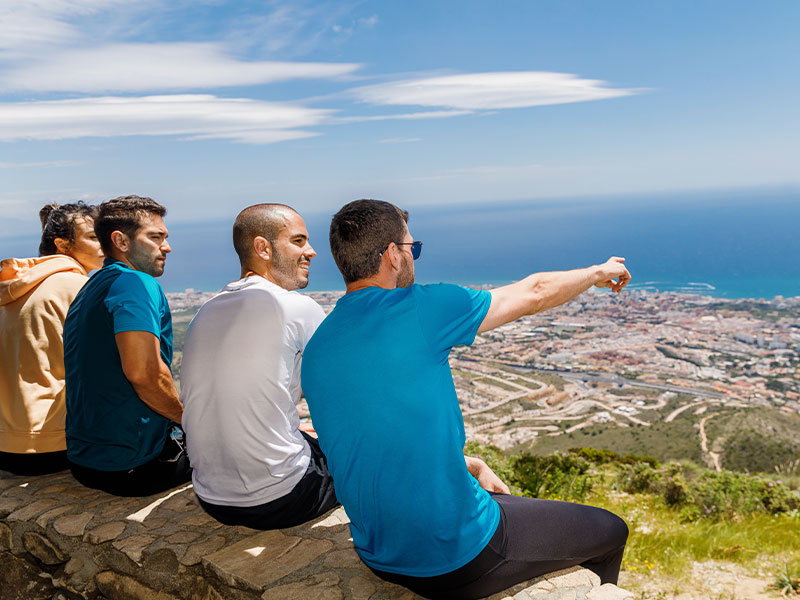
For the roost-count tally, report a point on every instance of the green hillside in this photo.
(666, 441)
(684, 521)
(756, 439)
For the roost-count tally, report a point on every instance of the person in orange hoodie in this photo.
(35, 294)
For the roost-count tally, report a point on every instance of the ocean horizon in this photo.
(729, 245)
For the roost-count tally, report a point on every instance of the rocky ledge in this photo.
(62, 541)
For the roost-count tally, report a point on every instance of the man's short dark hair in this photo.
(360, 231)
(265, 220)
(124, 214)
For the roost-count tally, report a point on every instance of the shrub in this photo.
(637, 478)
(494, 457)
(702, 493)
(558, 476)
(675, 490)
(597, 456)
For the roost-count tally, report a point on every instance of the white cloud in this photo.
(400, 140)
(434, 114)
(292, 27)
(191, 116)
(164, 66)
(46, 163)
(33, 22)
(369, 22)
(483, 91)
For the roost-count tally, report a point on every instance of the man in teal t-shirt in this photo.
(121, 400)
(377, 379)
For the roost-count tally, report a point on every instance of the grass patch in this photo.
(660, 541)
(635, 391)
(665, 441)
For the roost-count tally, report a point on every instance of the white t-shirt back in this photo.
(240, 383)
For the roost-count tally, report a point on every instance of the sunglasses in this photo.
(416, 248)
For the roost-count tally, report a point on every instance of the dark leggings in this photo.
(169, 470)
(534, 537)
(40, 463)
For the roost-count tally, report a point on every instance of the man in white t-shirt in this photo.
(240, 382)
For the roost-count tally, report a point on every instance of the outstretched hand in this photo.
(613, 274)
(485, 476)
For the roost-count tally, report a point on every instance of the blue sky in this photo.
(209, 106)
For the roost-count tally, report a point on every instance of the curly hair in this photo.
(58, 221)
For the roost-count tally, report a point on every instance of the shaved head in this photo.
(259, 220)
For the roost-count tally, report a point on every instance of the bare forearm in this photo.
(159, 394)
(554, 288)
(140, 356)
(542, 291)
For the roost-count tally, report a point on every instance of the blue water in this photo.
(732, 245)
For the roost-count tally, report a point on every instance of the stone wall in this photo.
(62, 541)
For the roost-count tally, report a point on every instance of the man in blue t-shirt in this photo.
(122, 406)
(378, 383)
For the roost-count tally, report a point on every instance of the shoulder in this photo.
(57, 292)
(446, 292)
(66, 282)
(297, 306)
(137, 284)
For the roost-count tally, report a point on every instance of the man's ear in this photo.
(393, 252)
(62, 245)
(120, 241)
(262, 248)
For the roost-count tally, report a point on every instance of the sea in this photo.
(735, 244)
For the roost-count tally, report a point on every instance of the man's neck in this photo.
(385, 282)
(122, 258)
(263, 273)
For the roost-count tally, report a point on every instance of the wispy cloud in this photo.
(363, 23)
(46, 164)
(486, 91)
(162, 66)
(83, 46)
(400, 140)
(191, 116)
(434, 114)
(295, 28)
(25, 23)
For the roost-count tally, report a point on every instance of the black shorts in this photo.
(311, 497)
(169, 470)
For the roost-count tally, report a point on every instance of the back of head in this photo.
(264, 220)
(123, 214)
(360, 231)
(58, 221)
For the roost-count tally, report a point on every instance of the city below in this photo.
(661, 372)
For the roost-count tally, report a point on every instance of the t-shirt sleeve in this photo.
(305, 318)
(450, 315)
(133, 306)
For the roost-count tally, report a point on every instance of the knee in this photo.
(617, 530)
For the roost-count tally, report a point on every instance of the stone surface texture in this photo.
(61, 540)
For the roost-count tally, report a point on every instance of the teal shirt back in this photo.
(108, 427)
(378, 383)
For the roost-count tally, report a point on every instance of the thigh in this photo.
(550, 530)
(40, 463)
(313, 496)
(542, 536)
(156, 476)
